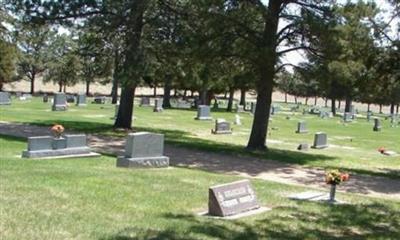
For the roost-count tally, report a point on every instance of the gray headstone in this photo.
(239, 108)
(301, 127)
(59, 143)
(75, 141)
(59, 102)
(143, 149)
(40, 143)
(203, 113)
(81, 100)
(320, 140)
(5, 98)
(222, 127)
(347, 117)
(158, 103)
(377, 125)
(145, 102)
(231, 199)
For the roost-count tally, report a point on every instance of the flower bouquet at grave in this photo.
(333, 178)
(57, 130)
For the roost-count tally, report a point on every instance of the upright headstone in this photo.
(143, 149)
(59, 102)
(5, 98)
(45, 98)
(158, 103)
(347, 117)
(70, 98)
(301, 127)
(231, 199)
(320, 140)
(145, 102)
(203, 113)
(81, 100)
(377, 125)
(222, 127)
(239, 108)
(99, 100)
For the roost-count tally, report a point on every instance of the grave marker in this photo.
(143, 149)
(222, 127)
(203, 113)
(81, 100)
(301, 127)
(377, 125)
(158, 103)
(231, 199)
(5, 98)
(320, 140)
(145, 102)
(59, 102)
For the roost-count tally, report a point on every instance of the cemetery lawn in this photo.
(89, 198)
(353, 146)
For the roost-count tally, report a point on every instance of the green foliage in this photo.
(7, 62)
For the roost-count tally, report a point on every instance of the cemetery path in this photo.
(249, 167)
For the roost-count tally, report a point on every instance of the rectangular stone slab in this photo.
(81, 100)
(231, 198)
(75, 141)
(59, 102)
(301, 127)
(144, 144)
(40, 143)
(203, 112)
(5, 98)
(320, 140)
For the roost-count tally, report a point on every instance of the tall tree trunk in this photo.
(167, 91)
(87, 88)
(326, 102)
(397, 108)
(155, 91)
(185, 93)
(266, 66)
(124, 116)
(60, 86)
(175, 92)
(65, 88)
(315, 101)
(295, 99)
(333, 106)
(340, 102)
(225, 95)
(192, 93)
(347, 107)
(285, 97)
(368, 107)
(306, 101)
(380, 108)
(230, 100)
(33, 77)
(115, 82)
(1, 86)
(242, 96)
(203, 96)
(131, 58)
(392, 108)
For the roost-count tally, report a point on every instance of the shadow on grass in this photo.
(186, 140)
(372, 221)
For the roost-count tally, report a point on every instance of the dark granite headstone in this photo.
(5, 98)
(231, 199)
(222, 127)
(81, 100)
(143, 149)
(377, 125)
(301, 127)
(158, 103)
(320, 140)
(203, 113)
(45, 98)
(99, 100)
(145, 102)
(70, 98)
(59, 102)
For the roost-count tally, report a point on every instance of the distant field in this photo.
(353, 146)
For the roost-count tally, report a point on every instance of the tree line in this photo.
(209, 47)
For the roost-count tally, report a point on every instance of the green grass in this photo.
(89, 198)
(353, 146)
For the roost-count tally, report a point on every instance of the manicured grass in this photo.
(353, 146)
(89, 198)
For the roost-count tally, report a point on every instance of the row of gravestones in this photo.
(146, 150)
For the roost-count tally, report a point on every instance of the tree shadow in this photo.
(366, 221)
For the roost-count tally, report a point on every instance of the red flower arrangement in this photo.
(335, 177)
(381, 149)
(57, 130)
